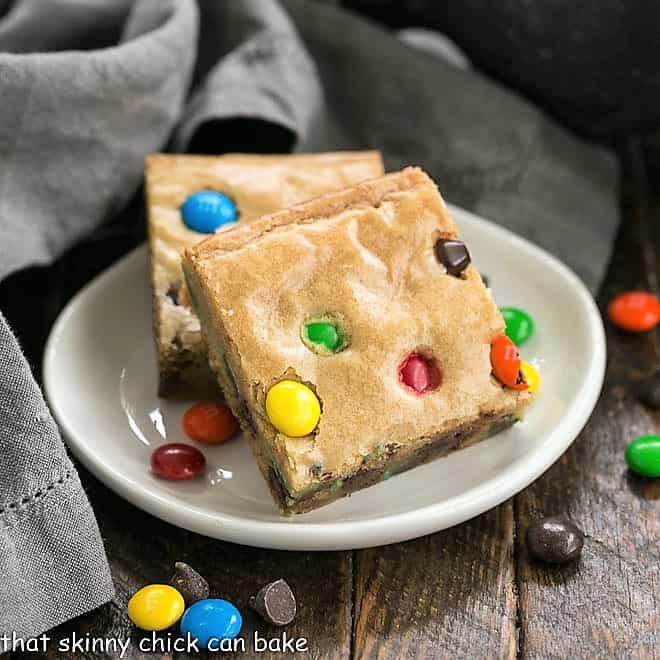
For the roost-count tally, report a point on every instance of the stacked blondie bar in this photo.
(350, 334)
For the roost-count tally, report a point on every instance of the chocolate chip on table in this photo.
(555, 540)
(453, 255)
(648, 391)
(275, 603)
(190, 584)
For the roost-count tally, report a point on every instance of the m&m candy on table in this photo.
(156, 607)
(555, 540)
(208, 210)
(643, 456)
(634, 311)
(506, 362)
(519, 324)
(209, 422)
(177, 461)
(211, 620)
(292, 408)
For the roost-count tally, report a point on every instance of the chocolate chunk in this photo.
(173, 292)
(275, 603)
(453, 255)
(555, 540)
(485, 279)
(190, 584)
(648, 391)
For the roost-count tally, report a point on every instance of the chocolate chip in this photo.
(190, 584)
(485, 279)
(453, 255)
(275, 603)
(173, 292)
(555, 540)
(648, 391)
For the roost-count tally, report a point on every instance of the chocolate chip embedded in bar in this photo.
(344, 334)
(453, 255)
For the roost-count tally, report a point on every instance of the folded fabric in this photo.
(89, 89)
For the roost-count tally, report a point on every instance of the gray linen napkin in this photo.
(88, 89)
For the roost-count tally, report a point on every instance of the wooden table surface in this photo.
(468, 592)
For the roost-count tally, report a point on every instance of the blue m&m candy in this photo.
(207, 210)
(210, 621)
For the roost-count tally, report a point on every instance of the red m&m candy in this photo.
(420, 373)
(505, 361)
(635, 311)
(176, 460)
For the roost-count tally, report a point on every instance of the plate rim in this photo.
(346, 534)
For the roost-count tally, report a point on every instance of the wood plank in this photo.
(608, 605)
(143, 549)
(448, 595)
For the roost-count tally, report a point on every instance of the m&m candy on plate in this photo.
(506, 363)
(176, 460)
(209, 422)
(519, 324)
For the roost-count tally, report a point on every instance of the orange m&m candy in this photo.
(209, 422)
(635, 311)
(505, 361)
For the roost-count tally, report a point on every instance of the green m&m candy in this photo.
(643, 455)
(519, 324)
(323, 336)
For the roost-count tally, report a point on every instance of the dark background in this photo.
(594, 65)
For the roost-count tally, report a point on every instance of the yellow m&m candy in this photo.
(292, 408)
(532, 377)
(156, 607)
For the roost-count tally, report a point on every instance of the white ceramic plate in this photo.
(100, 378)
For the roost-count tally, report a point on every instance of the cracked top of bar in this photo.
(365, 256)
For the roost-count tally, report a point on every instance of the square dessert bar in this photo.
(352, 337)
(247, 187)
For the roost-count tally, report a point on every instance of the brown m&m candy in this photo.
(555, 540)
(275, 603)
(453, 255)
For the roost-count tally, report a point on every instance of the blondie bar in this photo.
(352, 337)
(254, 185)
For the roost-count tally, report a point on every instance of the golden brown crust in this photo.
(366, 257)
(368, 193)
(258, 184)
